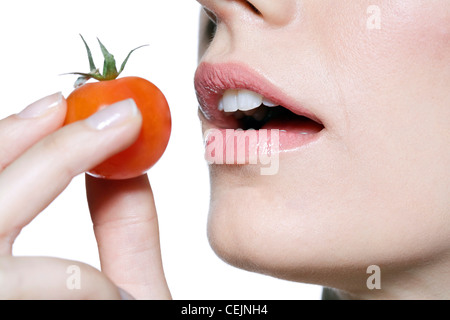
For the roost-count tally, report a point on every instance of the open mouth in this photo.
(251, 110)
(246, 117)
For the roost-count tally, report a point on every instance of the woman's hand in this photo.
(38, 159)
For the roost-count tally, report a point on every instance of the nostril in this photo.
(211, 15)
(276, 12)
(253, 8)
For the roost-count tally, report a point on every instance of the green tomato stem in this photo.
(109, 66)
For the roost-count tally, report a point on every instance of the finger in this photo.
(39, 278)
(20, 131)
(30, 183)
(126, 229)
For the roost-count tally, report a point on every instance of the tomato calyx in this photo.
(109, 66)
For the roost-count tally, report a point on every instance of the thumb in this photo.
(45, 278)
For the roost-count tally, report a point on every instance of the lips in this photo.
(233, 96)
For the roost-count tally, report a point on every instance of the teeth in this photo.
(243, 100)
(248, 100)
(230, 101)
(269, 103)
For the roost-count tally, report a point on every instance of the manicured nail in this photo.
(113, 115)
(41, 106)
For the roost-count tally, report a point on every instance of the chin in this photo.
(309, 231)
(255, 227)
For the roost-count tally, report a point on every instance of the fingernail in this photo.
(113, 115)
(41, 106)
(125, 295)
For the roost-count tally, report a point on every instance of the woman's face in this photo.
(363, 179)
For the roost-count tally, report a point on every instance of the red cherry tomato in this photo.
(88, 98)
(156, 125)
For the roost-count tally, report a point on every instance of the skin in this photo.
(43, 155)
(374, 190)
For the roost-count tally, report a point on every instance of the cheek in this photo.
(393, 77)
(393, 31)
(411, 34)
(394, 81)
(419, 23)
(417, 31)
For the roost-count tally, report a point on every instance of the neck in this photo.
(431, 281)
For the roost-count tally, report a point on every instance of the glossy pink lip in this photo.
(212, 80)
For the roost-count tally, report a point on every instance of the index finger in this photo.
(38, 176)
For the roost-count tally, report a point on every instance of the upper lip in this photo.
(212, 80)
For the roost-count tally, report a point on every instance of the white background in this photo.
(39, 41)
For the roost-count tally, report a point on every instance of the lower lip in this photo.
(242, 147)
